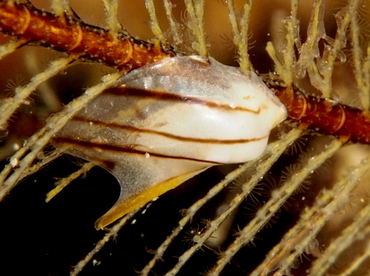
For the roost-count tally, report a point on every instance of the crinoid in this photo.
(160, 111)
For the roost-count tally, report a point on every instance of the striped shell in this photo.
(164, 123)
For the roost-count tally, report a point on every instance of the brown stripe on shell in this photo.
(165, 134)
(120, 149)
(164, 96)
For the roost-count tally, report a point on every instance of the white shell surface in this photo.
(166, 122)
(232, 107)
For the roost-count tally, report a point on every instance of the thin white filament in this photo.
(247, 187)
(271, 207)
(22, 160)
(114, 26)
(310, 223)
(154, 24)
(9, 106)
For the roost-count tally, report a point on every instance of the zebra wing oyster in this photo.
(164, 123)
